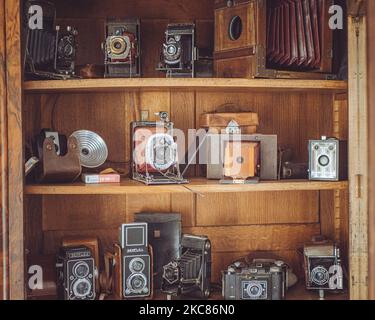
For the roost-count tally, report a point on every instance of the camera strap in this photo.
(106, 277)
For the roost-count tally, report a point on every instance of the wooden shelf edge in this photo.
(196, 83)
(128, 186)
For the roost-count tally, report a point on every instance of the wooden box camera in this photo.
(273, 39)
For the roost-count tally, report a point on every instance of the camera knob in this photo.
(279, 263)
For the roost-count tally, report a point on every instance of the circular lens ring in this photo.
(118, 45)
(254, 285)
(324, 160)
(77, 286)
(320, 275)
(78, 267)
(136, 265)
(136, 276)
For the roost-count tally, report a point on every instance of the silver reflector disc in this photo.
(93, 149)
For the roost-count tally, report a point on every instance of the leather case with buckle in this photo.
(54, 168)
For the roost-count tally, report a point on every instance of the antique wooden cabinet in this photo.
(276, 216)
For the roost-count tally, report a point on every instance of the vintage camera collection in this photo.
(152, 254)
(293, 40)
(133, 271)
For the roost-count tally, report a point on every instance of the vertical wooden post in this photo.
(358, 153)
(371, 143)
(3, 163)
(15, 149)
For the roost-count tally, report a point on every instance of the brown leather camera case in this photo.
(54, 168)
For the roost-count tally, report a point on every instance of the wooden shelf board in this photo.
(197, 83)
(196, 185)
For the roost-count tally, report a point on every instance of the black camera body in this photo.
(136, 261)
(323, 270)
(122, 48)
(191, 273)
(50, 51)
(179, 52)
(76, 273)
(66, 50)
(259, 280)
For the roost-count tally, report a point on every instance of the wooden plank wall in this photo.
(3, 154)
(371, 143)
(16, 153)
(279, 222)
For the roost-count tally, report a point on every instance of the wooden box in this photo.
(241, 42)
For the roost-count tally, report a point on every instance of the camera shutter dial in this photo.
(172, 51)
(320, 276)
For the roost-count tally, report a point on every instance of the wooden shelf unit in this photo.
(82, 85)
(277, 217)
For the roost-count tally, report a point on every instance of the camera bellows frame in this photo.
(93, 149)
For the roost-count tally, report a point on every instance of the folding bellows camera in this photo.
(51, 51)
(191, 273)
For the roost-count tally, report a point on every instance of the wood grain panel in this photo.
(221, 260)
(33, 221)
(260, 237)
(218, 209)
(145, 9)
(183, 117)
(184, 203)
(16, 156)
(83, 212)
(371, 143)
(152, 39)
(53, 239)
(150, 203)
(3, 161)
(154, 102)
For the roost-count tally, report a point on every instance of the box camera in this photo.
(179, 52)
(76, 273)
(323, 270)
(51, 51)
(191, 273)
(136, 261)
(122, 48)
(328, 159)
(155, 158)
(259, 280)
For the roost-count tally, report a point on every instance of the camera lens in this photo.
(136, 265)
(254, 290)
(82, 288)
(323, 160)
(68, 50)
(137, 282)
(81, 269)
(118, 45)
(320, 276)
(171, 49)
